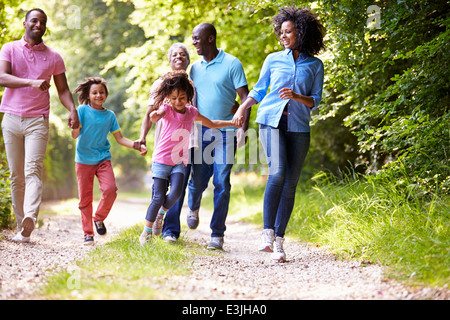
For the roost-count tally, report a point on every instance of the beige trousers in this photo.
(25, 142)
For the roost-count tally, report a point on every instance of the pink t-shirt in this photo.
(174, 140)
(36, 62)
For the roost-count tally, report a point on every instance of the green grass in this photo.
(246, 195)
(369, 220)
(122, 269)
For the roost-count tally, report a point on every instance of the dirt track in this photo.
(240, 272)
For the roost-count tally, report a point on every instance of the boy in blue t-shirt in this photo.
(93, 156)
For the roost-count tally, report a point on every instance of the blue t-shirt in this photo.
(92, 143)
(216, 83)
(304, 76)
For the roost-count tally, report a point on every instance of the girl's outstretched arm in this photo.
(214, 123)
(128, 143)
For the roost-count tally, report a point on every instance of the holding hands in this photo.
(139, 146)
(238, 118)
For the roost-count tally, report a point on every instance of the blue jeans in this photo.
(171, 225)
(163, 175)
(214, 158)
(285, 152)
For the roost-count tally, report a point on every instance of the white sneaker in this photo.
(145, 237)
(19, 238)
(278, 254)
(267, 238)
(170, 239)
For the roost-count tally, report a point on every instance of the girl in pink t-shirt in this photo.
(171, 154)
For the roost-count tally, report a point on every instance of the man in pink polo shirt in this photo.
(26, 68)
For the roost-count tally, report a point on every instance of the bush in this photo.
(371, 218)
(5, 195)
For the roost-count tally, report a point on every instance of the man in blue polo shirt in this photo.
(217, 77)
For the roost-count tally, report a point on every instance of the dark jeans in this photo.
(159, 198)
(171, 225)
(285, 152)
(216, 161)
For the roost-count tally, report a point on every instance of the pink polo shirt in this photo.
(29, 62)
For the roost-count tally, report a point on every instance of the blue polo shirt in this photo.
(216, 83)
(304, 76)
(92, 143)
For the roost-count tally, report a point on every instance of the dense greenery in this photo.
(386, 95)
(7, 34)
(383, 119)
(391, 84)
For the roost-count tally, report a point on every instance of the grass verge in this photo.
(122, 269)
(365, 219)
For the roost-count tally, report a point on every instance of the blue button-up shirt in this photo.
(304, 76)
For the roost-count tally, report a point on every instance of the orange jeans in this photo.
(107, 183)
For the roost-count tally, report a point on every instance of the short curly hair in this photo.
(171, 81)
(310, 31)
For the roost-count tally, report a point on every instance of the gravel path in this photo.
(240, 272)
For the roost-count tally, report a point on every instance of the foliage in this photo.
(59, 167)
(9, 14)
(376, 221)
(385, 104)
(391, 82)
(5, 197)
(386, 94)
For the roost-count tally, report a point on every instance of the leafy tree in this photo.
(392, 83)
(11, 15)
(243, 31)
(88, 35)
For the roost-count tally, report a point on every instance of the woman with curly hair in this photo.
(295, 78)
